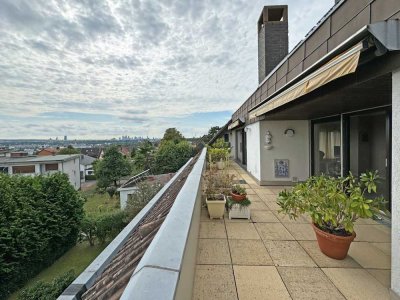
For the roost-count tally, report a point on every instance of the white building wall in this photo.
(395, 278)
(253, 150)
(71, 168)
(232, 140)
(123, 196)
(296, 149)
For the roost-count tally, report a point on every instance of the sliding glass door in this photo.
(369, 147)
(326, 146)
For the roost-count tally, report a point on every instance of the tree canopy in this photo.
(144, 156)
(69, 150)
(171, 156)
(211, 132)
(39, 220)
(172, 134)
(111, 168)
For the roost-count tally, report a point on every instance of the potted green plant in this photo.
(218, 156)
(238, 209)
(216, 187)
(334, 204)
(238, 193)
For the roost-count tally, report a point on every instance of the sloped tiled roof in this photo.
(93, 152)
(115, 277)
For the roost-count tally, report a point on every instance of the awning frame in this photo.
(301, 88)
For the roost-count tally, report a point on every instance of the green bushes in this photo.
(136, 201)
(103, 228)
(48, 291)
(171, 156)
(39, 220)
(90, 177)
(219, 151)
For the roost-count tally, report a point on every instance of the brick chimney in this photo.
(273, 40)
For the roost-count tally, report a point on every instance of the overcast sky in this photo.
(106, 68)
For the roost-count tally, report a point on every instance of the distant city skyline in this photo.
(103, 69)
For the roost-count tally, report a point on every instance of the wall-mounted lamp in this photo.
(289, 132)
(268, 140)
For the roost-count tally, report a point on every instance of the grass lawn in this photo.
(99, 203)
(77, 258)
(82, 254)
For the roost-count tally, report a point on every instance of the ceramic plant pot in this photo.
(237, 197)
(220, 165)
(216, 208)
(332, 245)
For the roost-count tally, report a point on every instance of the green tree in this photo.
(69, 150)
(171, 156)
(211, 132)
(144, 156)
(39, 221)
(172, 134)
(111, 168)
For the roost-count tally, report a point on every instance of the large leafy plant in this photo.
(334, 204)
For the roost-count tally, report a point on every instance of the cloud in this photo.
(100, 68)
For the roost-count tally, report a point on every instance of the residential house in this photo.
(47, 151)
(95, 152)
(41, 165)
(86, 166)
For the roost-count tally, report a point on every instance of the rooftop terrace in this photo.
(173, 250)
(272, 257)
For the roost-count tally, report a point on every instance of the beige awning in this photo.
(234, 124)
(343, 64)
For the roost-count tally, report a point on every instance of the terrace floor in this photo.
(272, 257)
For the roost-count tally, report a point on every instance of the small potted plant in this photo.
(216, 186)
(238, 193)
(216, 205)
(334, 204)
(219, 156)
(238, 209)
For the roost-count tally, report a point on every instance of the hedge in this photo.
(48, 290)
(39, 221)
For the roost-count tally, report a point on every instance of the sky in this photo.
(106, 68)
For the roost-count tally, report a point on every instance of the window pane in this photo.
(327, 145)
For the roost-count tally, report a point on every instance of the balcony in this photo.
(272, 257)
(189, 256)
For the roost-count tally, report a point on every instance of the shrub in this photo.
(171, 156)
(334, 204)
(145, 192)
(220, 144)
(218, 154)
(103, 228)
(39, 221)
(111, 190)
(90, 177)
(48, 291)
(217, 183)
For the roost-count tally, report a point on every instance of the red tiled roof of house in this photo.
(114, 279)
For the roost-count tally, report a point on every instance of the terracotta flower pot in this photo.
(332, 245)
(237, 197)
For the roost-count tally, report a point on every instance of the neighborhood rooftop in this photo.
(37, 159)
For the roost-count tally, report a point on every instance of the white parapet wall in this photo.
(395, 278)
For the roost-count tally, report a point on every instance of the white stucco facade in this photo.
(294, 148)
(71, 168)
(68, 164)
(395, 276)
(253, 150)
